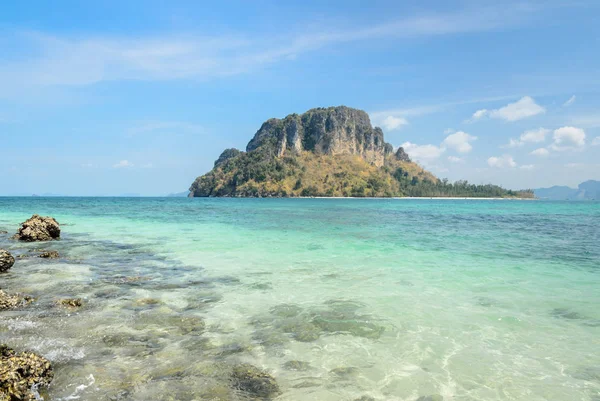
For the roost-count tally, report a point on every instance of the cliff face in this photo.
(327, 131)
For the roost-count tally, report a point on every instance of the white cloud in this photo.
(479, 114)
(596, 141)
(535, 135)
(422, 152)
(522, 108)
(391, 123)
(448, 131)
(459, 141)
(455, 159)
(513, 143)
(568, 138)
(570, 101)
(123, 164)
(531, 136)
(540, 152)
(527, 167)
(504, 161)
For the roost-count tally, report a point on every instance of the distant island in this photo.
(328, 152)
(588, 190)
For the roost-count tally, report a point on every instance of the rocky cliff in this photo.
(328, 131)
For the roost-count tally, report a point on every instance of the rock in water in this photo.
(19, 373)
(49, 255)
(6, 260)
(254, 381)
(8, 301)
(38, 228)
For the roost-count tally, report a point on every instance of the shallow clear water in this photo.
(392, 299)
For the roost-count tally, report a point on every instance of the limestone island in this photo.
(328, 152)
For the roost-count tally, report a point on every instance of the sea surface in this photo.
(337, 299)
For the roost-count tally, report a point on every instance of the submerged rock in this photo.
(71, 302)
(300, 366)
(345, 372)
(49, 255)
(254, 381)
(564, 313)
(6, 260)
(8, 301)
(38, 228)
(19, 373)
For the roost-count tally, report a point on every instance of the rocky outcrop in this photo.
(6, 260)
(402, 155)
(22, 372)
(330, 131)
(38, 228)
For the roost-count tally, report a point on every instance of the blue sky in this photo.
(107, 98)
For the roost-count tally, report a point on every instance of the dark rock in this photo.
(6, 260)
(8, 301)
(49, 255)
(19, 373)
(565, 313)
(71, 302)
(254, 381)
(402, 155)
(3, 232)
(38, 228)
(365, 398)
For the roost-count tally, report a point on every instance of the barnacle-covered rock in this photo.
(6, 260)
(10, 301)
(20, 372)
(38, 228)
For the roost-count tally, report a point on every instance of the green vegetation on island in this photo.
(328, 152)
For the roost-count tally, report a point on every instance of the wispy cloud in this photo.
(77, 61)
(523, 108)
(569, 102)
(123, 164)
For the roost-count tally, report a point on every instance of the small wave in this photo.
(79, 389)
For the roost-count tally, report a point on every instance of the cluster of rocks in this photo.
(21, 373)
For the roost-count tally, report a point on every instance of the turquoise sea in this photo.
(337, 299)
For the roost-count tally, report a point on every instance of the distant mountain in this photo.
(588, 190)
(183, 194)
(332, 151)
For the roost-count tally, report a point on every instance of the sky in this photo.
(140, 97)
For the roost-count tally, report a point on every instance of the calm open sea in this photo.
(336, 298)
